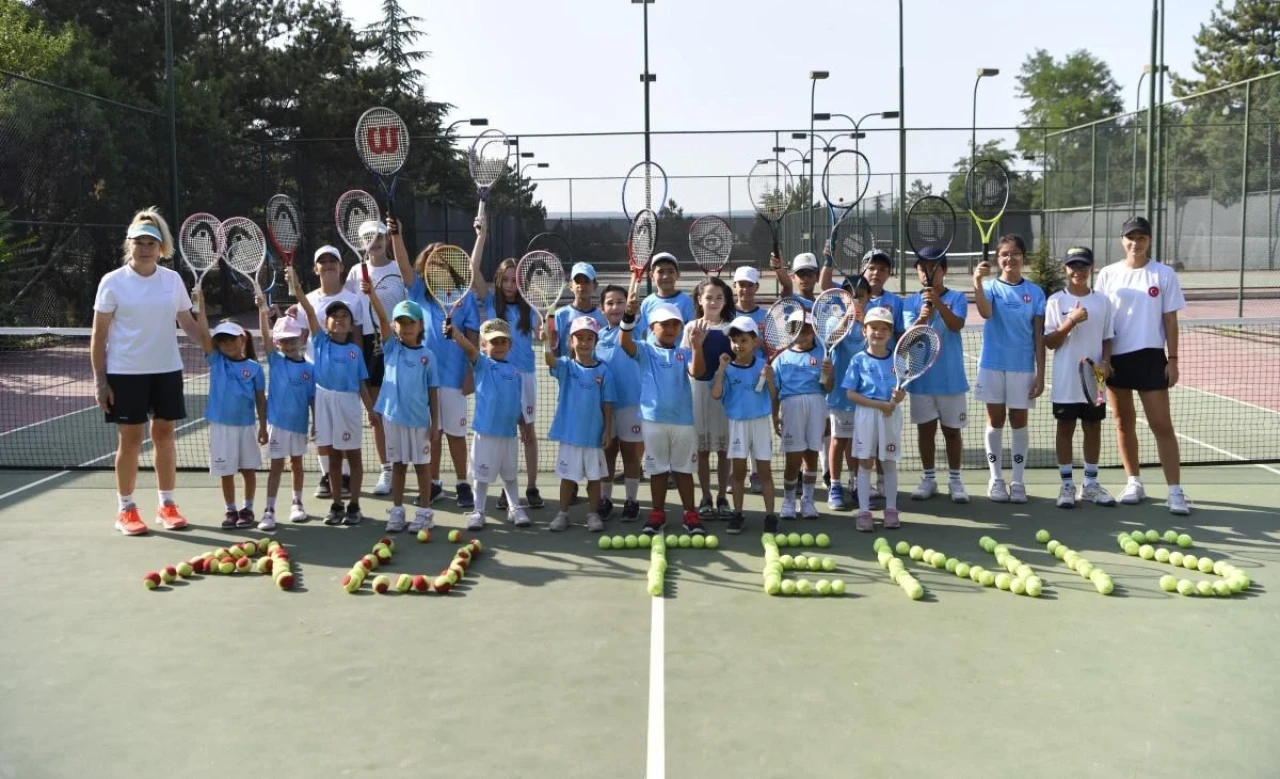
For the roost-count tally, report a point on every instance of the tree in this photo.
(393, 39)
(1077, 90)
(1236, 44)
(917, 190)
(1024, 190)
(27, 47)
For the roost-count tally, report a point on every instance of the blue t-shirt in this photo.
(715, 344)
(451, 361)
(871, 376)
(682, 302)
(564, 318)
(625, 371)
(233, 389)
(741, 401)
(409, 373)
(291, 387)
(805, 303)
(339, 367)
(579, 420)
(1008, 336)
(757, 315)
(665, 394)
(521, 354)
(841, 356)
(799, 373)
(947, 376)
(498, 397)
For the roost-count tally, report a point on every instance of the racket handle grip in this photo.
(480, 211)
(364, 271)
(760, 381)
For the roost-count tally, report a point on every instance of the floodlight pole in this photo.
(902, 150)
(176, 216)
(646, 77)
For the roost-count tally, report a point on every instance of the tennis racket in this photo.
(771, 187)
(353, 209)
(200, 241)
(382, 141)
(710, 243)
(845, 180)
(986, 195)
(644, 187)
(931, 227)
(554, 243)
(540, 280)
(916, 352)
(834, 316)
(780, 330)
(245, 248)
(487, 160)
(849, 252)
(284, 226)
(447, 274)
(640, 243)
(1093, 383)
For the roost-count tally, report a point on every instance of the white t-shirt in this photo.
(1084, 340)
(387, 283)
(1140, 297)
(358, 304)
(143, 337)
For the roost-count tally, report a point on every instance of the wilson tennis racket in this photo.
(644, 187)
(641, 241)
(540, 280)
(931, 227)
(835, 315)
(781, 327)
(284, 226)
(771, 187)
(382, 141)
(200, 241)
(488, 160)
(353, 209)
(710, 243)
(915, 354)
(554, 243)
(1093, 383)
(244, 248)
(845, 180)
(447, 275)
(986, 195)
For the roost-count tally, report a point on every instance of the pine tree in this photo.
(1237, 44)
(394, 38)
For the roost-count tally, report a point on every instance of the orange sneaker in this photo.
(129, 523)
(168, 516)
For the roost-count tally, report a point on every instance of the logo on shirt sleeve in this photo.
(244, 373)
(1153, 291)
(1026, 298)
(351, 354)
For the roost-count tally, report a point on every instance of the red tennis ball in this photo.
(443, 585)
(463, 554)
(151, 580)
(421, 584)
(458, 570)
(285, 581)
(244, 564)
(381, 584)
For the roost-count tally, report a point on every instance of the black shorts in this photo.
(373, 359)
(1084, 412)
(139, 396)
(1142, 370)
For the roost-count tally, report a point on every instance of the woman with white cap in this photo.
(137, 365)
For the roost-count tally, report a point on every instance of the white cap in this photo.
(748, 274)
(878, 314)
(228, 328)
(664, 257)
(744, 324)
(286, 327)
(804, 261)
(371, 228)
(664, 312)
(327, 249)
(584, 323)
(800, 315)
(144, 230)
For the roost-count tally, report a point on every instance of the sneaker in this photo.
(736, 523)
(789, 507)
(561, 522)
(630, 511)
(693, 524)
(336, 515)
(594, 523)
(655, 523)
(706, 509)
(475, 521)
(1017, 492)
(383, 487)
(129, 523)
(1097, 494)
(863, 522)
(891, 519)
(168, 517)
(245, 518)
(927, 489)
(395, 520)
(807, 509)
(723, 509)
(322, 489)
(346, 485)
(1067, 496)
(297, 513)
(756, 486)
(604, 508)
(770, 523)
(957, 490)
(835, 497)
(1133, 493)
(268, 522)
(1178, 502)
(518, 517)
(423, 519)
(997, 492)
(465, 499)
(229, 519)
(437, 491)
(353, 517)
(533, 498)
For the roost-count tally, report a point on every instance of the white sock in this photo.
(481, 495)
(930, 474)
(606, 488)
(864, 489)
(297, 497)
(1064, 472)
(822, 454)
(386, 467)
(890, 483)
(125, 501)
(512, 488)
(1021, 438)
(166, 496)
(995, 452)
(807, 489)
(271, 503)
(632, 487)
(954, 474)
(788, 489)
(248, 504)
(1090, 473)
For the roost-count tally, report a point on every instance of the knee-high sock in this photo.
(995, 451)
(864, 489)
(1020, 445)
(890, 483)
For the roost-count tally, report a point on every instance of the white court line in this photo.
(47, 421)
(656, 760)
(1143, 419)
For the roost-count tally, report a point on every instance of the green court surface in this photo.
(551, 660)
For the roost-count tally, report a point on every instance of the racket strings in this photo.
(710, 242)
(930, 223)
(447, 274)
(643, 238)
(916, 351)
(846, 178)
(987, 189)
(645, 185)
(200, 241)
(853, 242)
(382, 140)
(488, 158)
(540, 279)
(781, 325)
(353, 209)
(771, 188)
(245, 247)
(284, 223)
(831, 320)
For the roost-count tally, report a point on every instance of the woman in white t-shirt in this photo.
(1145, 299)
(137, 365)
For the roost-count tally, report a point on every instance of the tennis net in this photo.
(1226, 406)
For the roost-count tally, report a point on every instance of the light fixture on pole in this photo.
(474, 122)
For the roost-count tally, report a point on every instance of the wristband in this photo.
(627, 326)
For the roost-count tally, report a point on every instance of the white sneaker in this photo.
(958, 493)
(1067, 496)
(788, 507)
(756, 487)
(383, 487)
(475, 521)
(1017, 492)
(423, 519)
(1178, 502)
(268, 521)
(927, 489)
(561, 522)
(1096, 494)
(1133, 493)
(518, 517)
(395, 519)
(297, 513)
(807, 508)
(594, 523)
(997, 492)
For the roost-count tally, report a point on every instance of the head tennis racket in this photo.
(353, 209)
(447, 275)
(284, 226)
(986, 195)
(771, 187)
(488, 160)
(915, 354)
(641, 241)
(244, 247)
(781, 327)
(382, 141)
(644, 187)
(1093, 383)
(200, 241)
(931, 227)
(554, 243)
(710, 243)
(835, 315)
(845, 181)
(540, 279)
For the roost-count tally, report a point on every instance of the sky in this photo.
(565, 66)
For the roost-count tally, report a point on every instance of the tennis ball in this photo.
(1238, 583)
(804, 587)
(644, 541)
(801, 562)
(975, 572)
(1034, 586)
(1206, 565)
(1062, 550)
(837, 586)
(1176, 558)
(659, 564)
(895, 565)
(782, 540)
(1221, 588)
(881, 543)
(1043, 536)
(772, 585)
(455, 536)
(939, 560)
(1139, 536)
(421, 584)
(262, 565)
(902, 548)
(1104, 585)
(458, 570)
(673, 540)
(424, 536)
(806, 539)
(284, 580)
(988, 579)
(787, 562)
(828, 564)
(442, 585)
(962, 570)
(618, 542)
(630, 542)
(168, 574)
(389, 542)
(1000, 549)
(788, 587)
(243, 565)
(823, 587)
(1184, 540)
(381, 583)
(793, 539)
(404, 582)
(1220, 566)
(1051, 546)
(226, 565)
(1069, 557)
(815, 564)
(1085, 569)
(1186, 587)
(685, 542)
(1152, 536)
(235, 552)
(1003, 581)
(823, 540)
(915, 591)
(1170, 537)
(655, 588)
(916, 553)
(151, 580)
(604, 543)
(1022, 570)
(1168, 583)
(713, 542)
(351, 583)
(699, 542)
(370, 562)
(1204, 587)
(1018, 586)
(185, 570)
(1147, 552)
(1162, 555)
(928, 556)
(1191, 562)
(383, 554)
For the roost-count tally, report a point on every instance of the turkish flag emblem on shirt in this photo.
(1153, 292)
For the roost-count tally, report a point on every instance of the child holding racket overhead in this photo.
(291, 392)
(627, 431)
(877, 425)
(713, 310)
(841, 410)
(1078, 327)
(803, 282)
(803, 379)
(664, 272)
(1011, 367)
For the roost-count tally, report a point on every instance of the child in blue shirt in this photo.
(841, 410)
(628, 436)
(664, 272)
(802, 399)
(582, 285)
(713, 309)
(877, 427)
(291, 391)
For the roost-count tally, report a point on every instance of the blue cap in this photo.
(583, 269)
(145, 230)
(407, 308)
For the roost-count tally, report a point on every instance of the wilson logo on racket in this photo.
(1154, 292)
(383, 140)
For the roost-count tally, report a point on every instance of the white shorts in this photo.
(580, 463)
(529, 397)
(339, 419)
(453, 411)
(876, 435)
(493, 458)
(285, 443)
(951, 410)
(842, 422)
(1005, 387)
(751, 439)
(669, 448)
(804, 420)
(233, 448)
(627, 426)
(407, 445)
(709, 420)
